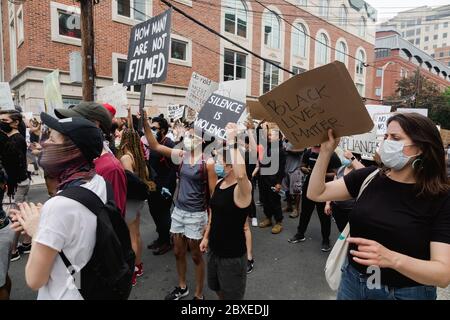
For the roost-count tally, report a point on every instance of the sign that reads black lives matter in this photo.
(217, 112)
(148, 51)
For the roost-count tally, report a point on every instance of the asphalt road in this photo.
(283, 271)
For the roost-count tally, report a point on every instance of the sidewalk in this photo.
(443, 294)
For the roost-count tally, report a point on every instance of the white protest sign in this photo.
(380, 121)
(200, 89)
(116, 96)
(6, 101)
(234, 89)
(364, 144)
(373, 109)
(421, 111)
(52, 92)
(175, 111)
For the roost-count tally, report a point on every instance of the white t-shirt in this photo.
(69, 226)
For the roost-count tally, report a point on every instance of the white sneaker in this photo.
(254, 222)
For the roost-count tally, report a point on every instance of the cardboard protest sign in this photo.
(189, 114)
(6, 101)
(52, 92)
(307, 105)
(217, 112)
(116, 96)
(380, 121)
(421, 111)
(257, 111)
(200, 89)
(175, 111)
(148, 51)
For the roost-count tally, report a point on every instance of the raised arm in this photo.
(318, 190)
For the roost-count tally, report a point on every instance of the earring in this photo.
(417, 164)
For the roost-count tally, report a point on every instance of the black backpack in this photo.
(108, 274)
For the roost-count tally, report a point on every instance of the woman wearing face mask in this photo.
(341, 209)
(401, 222)
(197, 180)
(14, 156)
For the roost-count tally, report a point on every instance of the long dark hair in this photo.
(16, 116)
(430, 172)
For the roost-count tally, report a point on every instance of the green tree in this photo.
(419, 92)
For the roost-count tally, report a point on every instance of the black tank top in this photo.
(226, 236)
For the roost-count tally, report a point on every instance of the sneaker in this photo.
(197, 298)
(139, 269)
(297, 238)
(277, 228)
(177, 294)
(294, 214)
(15, 256)
(250, 264)
(24, 248)
(265, 223)
(325, 246)
(162, 249)
(254, 222)
(153, 246)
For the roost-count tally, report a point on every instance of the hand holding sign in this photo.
(331, 144)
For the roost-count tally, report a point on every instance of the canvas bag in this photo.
(338, 255)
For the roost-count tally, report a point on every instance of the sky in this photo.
(388, 8)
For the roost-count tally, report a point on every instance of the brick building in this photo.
(397, 58)
(46, 33)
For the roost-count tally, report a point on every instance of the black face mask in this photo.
(5, 127)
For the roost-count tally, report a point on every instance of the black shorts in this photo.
(227, 275)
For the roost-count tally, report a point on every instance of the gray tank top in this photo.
(192, 187)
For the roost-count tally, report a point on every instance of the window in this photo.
(378, 92)
(448, 63)
(299, 40)
(180, 50)
(322, 50)
(426, 39)
(361, 89)
(418, 41)
(444, 35)
(133, 9)
(271, 77)
(435, 37)
(432, 55)
(362, 27)
(119, 66)
(360, 63)
(303, 3)
(410, 33)
(236, 18)
(379, 73)
(410, 23)
(343, 16)
(417, 32)
(13, 47)
(425, 48)
(324, 7)
(272, 30)
(298, 70)
(382, 53)
(434, 46)
(445, 24)
(234, 65)
(341, 52)
(20, 31)
(403, 25)
(65, 24)
(441, 54)
(403, 34)
(436, 26)
(427, 29)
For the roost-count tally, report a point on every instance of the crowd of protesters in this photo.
(200, 193)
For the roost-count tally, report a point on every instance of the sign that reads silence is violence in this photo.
(217, 112)
(307, 105)
(148, 53)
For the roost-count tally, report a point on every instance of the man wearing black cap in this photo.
(106, 165)
(63, 224)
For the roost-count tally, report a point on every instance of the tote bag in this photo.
(338, 255)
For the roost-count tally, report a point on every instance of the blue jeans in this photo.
(354, 287)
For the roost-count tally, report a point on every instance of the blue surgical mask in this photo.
(392, 156)
(155, 133)
(346, 162)
(220, 170)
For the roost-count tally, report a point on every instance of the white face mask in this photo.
(188, 143)
(392, 156)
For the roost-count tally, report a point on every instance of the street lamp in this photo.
(382, 78)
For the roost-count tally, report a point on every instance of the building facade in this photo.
(443, 55)
(397, 58)
(41, 36)
(425, 27)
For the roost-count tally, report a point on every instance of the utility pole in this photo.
(417, 87)
(87, 49)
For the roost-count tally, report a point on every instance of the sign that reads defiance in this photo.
(148, 53)
(307, 105)
(217, 112)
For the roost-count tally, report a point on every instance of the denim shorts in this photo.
(190, 224)
(354, 287)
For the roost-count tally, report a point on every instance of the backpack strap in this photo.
(366, 182)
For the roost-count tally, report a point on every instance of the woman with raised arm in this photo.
(400, 224)
(225, 235)
(197, 180)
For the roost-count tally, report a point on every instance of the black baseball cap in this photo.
(89, 110)
(84, 134)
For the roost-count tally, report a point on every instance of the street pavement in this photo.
(283, 271)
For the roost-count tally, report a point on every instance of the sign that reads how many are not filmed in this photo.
(148, 53)
(217, 112)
